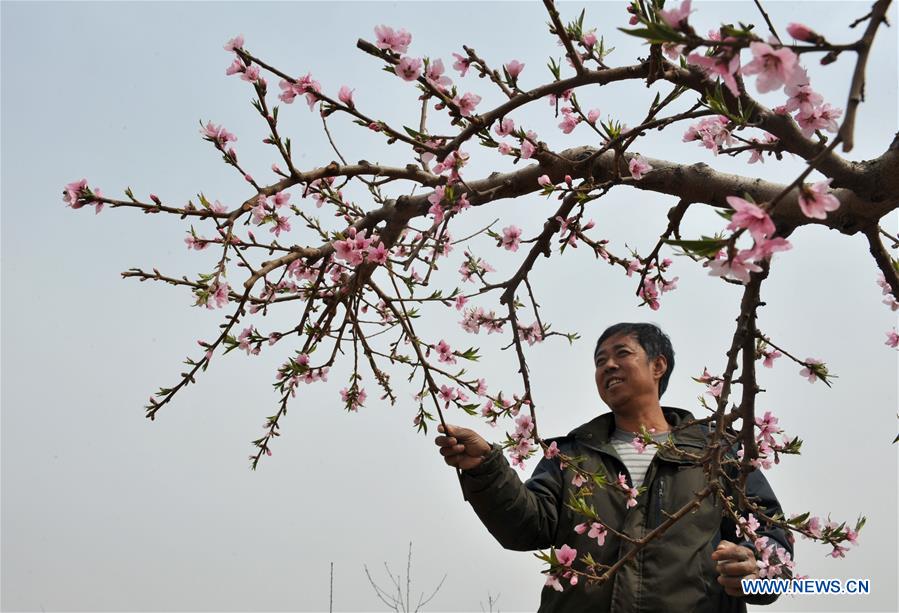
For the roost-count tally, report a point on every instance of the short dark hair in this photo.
(651, 338)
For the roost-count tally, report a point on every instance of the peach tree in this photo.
(358, 271)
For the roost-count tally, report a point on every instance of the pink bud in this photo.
(801, 32)
(346, 95)
(248, 177)
(544, 181)
(514, 68)
(593, 115)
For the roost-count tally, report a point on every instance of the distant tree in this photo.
(394, 597)
(491, 602)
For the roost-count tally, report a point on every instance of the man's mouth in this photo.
(613, 382)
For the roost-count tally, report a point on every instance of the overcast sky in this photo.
(103, 510)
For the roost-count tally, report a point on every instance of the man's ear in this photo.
(659, 366)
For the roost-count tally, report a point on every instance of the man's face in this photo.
(624, 374)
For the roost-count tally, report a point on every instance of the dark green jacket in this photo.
(673, 573)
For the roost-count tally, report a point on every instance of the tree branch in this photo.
(857, 88)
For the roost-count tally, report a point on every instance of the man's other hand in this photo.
(735, 563)
(461, 447)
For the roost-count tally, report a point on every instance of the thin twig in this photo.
(883, 259)
(767, 20)
(562, 33)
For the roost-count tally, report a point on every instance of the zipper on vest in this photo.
(655, 516)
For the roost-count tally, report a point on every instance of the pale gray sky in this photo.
(103, 510)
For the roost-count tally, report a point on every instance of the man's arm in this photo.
(521, 516)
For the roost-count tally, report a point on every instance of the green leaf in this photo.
(554, 68)
(471, 409)
(413, 133)
(655, 33)
(705, 248)
(799, 519)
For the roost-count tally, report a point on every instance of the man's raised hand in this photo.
(461, 447)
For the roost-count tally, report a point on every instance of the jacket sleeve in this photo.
(759, 491)
(520, 516)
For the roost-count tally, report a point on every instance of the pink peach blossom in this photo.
(751, 217)
(217, 134)
(72, 193)
(527, 149)
(251, 74)
(808, 372)
(737, 268)
(282, 224)
(638, 167)
(553, 582)
(345, 95)
(569, 122)
(445, 352)
(504, 127)
(676, 18)
(822, 117)
(462, 64)
(672, 50)
(514, 68)
(435, 75)
(511, 238)
(566, 555)
(551, 451)
(767, 425)
(816, 200)
(802, 98)
(466, 103)
(712, 131)
(764, 248)
(774, 67)
(770, 356)
(378, 254)
(725, 65)
(598, 532)
(649, 294)
(237, 66)
(408, 68)
(234, 43)
(386, 38)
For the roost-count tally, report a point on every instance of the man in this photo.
(695, 565)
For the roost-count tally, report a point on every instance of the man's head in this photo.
(632, 360)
